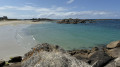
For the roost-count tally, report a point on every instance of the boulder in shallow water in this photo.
(113, 44)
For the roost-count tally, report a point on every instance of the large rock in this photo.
(115, 53)
(46, 55)
(114, 44)
(114, 63)
(83, 53)
(94, 49)
(99, 58)
(15, 59)
(80, 53)
(96, 57)
(18, 64)
(2, 63)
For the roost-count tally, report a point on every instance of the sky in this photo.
(59, 9)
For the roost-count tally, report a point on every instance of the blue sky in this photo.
(84, 9)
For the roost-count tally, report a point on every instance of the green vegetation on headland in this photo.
(44, 55)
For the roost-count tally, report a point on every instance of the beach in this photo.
(20, 41)
(9, 46)
(17, 37)
(19, 22)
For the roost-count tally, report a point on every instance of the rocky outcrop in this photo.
(95, 57)
(15, 59)
(113, 52)
(13, 62)
(41, 19)
(99, 59)
(75, 21)
(2, 63)
(113, 44)
(46, 55)
(114, 63)
(18, 64)
(113, 49)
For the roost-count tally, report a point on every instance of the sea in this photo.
(68, 36)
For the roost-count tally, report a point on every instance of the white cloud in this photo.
(80, 14)
(70, 1)
(53, 12)
(37, 9)
(9, 14)
(7, 7)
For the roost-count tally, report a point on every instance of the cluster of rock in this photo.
(40, 19)
(13, 62)
(76, 21)
(46, 55)
(108, 56)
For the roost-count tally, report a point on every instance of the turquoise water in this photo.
(74, 36)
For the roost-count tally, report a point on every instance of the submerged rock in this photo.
(45, 55)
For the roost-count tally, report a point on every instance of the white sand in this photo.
(8, 44)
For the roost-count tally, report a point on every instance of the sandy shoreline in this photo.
(19, 22)
(8, 43)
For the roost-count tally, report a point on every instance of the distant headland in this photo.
(66, 21)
